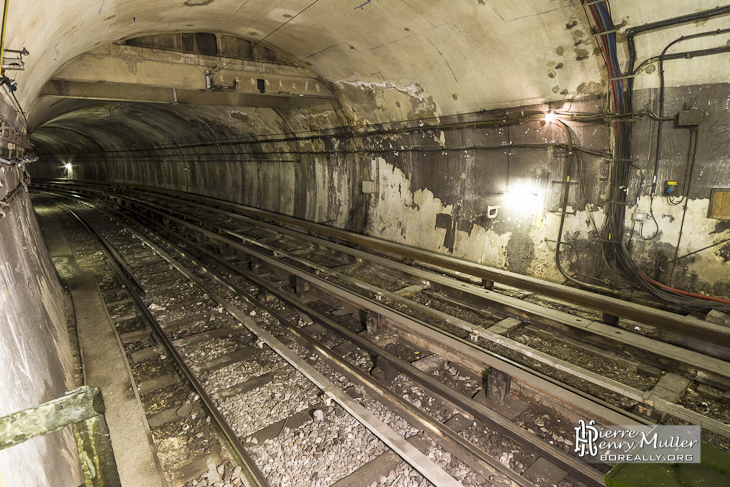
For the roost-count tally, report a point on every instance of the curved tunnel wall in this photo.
(35, 354)
(416, 94)
(433, 186)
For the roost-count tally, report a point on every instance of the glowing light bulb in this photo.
(550, 117)
(522, 198)
(67, 166)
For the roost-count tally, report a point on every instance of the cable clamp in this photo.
(612, 31)
(606, 240)
(627, 76)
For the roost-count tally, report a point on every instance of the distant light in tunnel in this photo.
(67, 166)
(550, 117)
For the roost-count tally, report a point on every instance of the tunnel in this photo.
(584, 143)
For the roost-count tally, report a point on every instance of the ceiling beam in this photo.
(155, 94)
(150, 67)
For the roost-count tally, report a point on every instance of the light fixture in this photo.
(550, 117)
(522, 198)
(67, 166)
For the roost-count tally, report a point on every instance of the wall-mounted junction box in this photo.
(719, 204)
(689, 118)
(639, 216)
(368, 187)
(670, 187)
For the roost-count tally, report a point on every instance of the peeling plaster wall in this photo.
(438, 200)
(35, 355)
(705, 269)
(393, 66)
(435, 186)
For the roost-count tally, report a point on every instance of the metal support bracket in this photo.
(612, 31)
(83, 408)
(14, 63)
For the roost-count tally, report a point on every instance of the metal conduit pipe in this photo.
(662, 24)
(2, 35)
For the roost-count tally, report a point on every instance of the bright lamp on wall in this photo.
(521, 196)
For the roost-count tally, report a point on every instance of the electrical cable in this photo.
(153, 155)
(287, 21)
(386, 133)
(613, 224)
(656, 225)
(660, 118)
(683, 55)
(700, 250)
(685, 196)
(346, 132)
(614, 247)
(691, 154)
(566, 194)
(18, 107)
(662, 24)
(660, 112)
(582, 185)
(309, 139)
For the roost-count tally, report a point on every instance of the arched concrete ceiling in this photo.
(382, 60)
(478, 50)
(135, 127)
(466, 56)
(439, 103)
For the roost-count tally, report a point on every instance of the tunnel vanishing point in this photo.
(579, 142)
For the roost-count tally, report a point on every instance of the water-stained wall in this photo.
(485, 186)
(441, 106)
(35, 355)
(681, 243)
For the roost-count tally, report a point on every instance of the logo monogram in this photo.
(586, 436)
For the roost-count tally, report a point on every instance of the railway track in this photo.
(310, 312)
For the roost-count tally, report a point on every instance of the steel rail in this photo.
(251, 469)
(551, 361)
(512, 306)
(431, 471)
(528, 440)
(511, 367)
(412, 456)
(612, 306)
(338, 363)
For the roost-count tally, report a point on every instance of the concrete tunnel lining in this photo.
(413, 94)
(444, 68)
